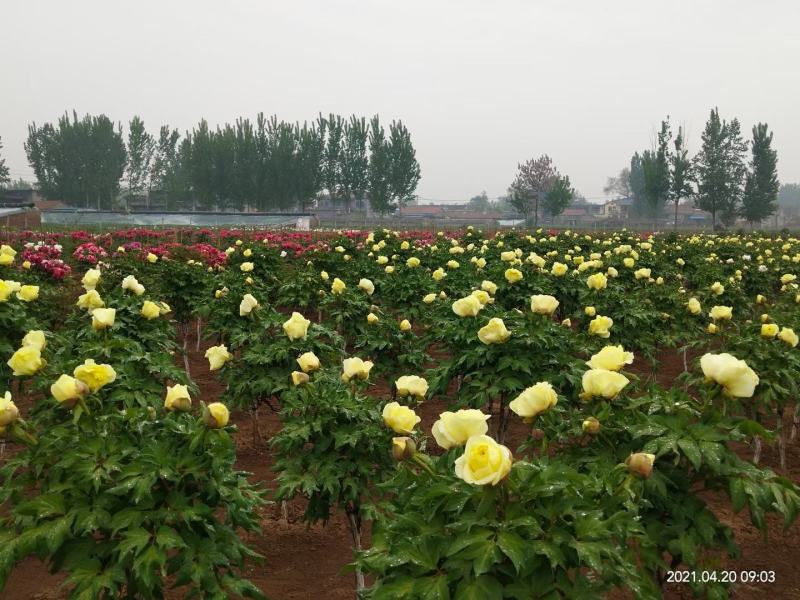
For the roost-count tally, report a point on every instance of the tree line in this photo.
(719, 178)
(540, 187)
(264, 164)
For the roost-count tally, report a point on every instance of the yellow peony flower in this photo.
(150, 310)
(93, 375)
(36, 339)
(216, 414)
(611, 358)
(590, 311)
(559, 269)
(693, 305)
(296, 327)
(26, 361)
(534, 400)
(467, 307)
(411, 385)
(455, 428)
(367, 286)
(603, 383)
(598, 281)
(338, 286)
(401, 419)
(721, 313)
(247, 305)
(6, 289)
(717, 288)
(178, 398)
(103, 318)
(488, 286)
(494, 332)
(151, 258)
(429, 298)
(769, 330)
(90, 300)
(67, 390)
(8, 410)
(484, 462)
(308, 362)
(355, 368)
(600, 326)
(542, 304)
(405, 325)
(90, 279)
(412, 262)
(28, 293)
(483, 297)
(736, 378)
(513, 275)
(246, 267)
(299, 378)
(642, 273)
(788, 336)
(131, 284)
(217, 357)
(372, 318)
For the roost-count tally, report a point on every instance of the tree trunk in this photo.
(675, 226)
(354, 520)
(781, 438)
(795, 421)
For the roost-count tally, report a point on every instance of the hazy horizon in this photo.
(481, 87)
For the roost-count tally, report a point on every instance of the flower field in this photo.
(528, 414)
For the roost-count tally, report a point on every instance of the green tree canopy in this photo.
(79, 161)
(761, 186)
(720, 168)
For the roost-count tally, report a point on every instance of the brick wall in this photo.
(25, 220)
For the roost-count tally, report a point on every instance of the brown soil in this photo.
(307, 563)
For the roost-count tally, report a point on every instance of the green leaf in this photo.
(133, 541)
(166, 537)
(433, 588)
(691, 451)
(484, 587)
(738, 497)
(513, 546)
(553, 553)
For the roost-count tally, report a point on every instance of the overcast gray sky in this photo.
(481, 85)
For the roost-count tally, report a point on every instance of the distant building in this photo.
(687, 215)
(18, 208)
(618, 208)
(19, 197)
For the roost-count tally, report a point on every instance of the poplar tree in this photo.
(720, 168)
(760, 197)
(141, 149)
